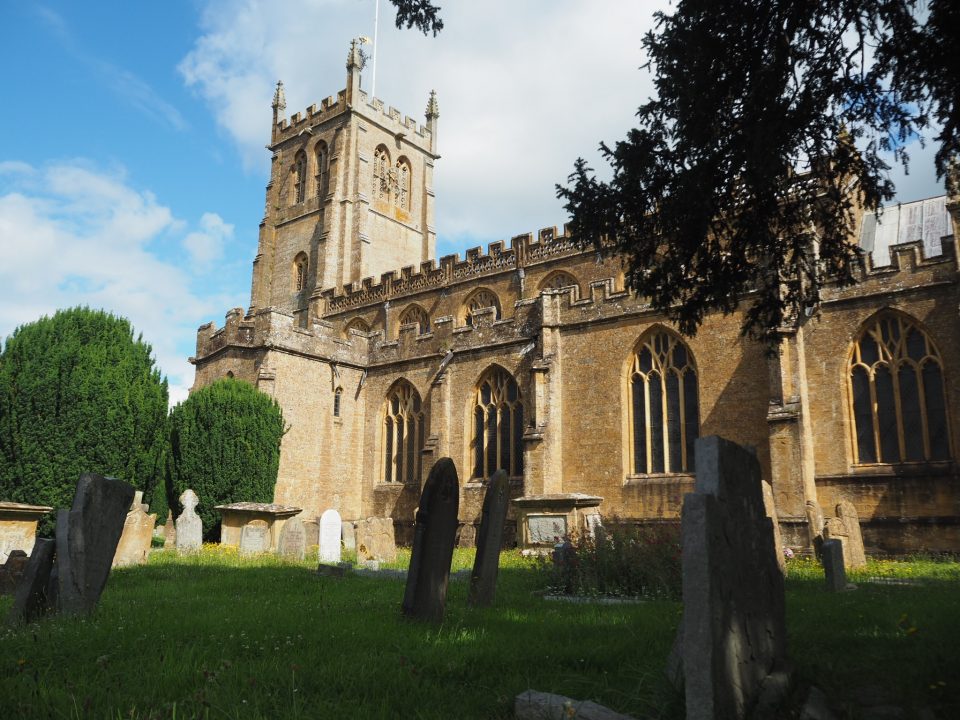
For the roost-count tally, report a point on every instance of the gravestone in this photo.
(833, 570)
(31, 599)
(771, 510)
(814, 525)
(434, 535)
(331, 527)
(349, 536)
(846, 527)
(169, 532)
(733, 632)
(486, 564)
(375, 540)
(255, 537)
(293, 540)
(467, 536)
(87, 538)
(12, 570)
(311, 529)
(137, 536)
(189, 537)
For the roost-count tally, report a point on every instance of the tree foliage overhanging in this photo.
(422, 14)
(768, 131)
(78, 393)
(225, 446)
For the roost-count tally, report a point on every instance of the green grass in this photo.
(223, 637)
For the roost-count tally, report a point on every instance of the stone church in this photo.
(531, 356)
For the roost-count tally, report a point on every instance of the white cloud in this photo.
(73, 235)
(206, 245)
(524, 88)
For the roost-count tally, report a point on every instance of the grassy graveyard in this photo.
(220, 636)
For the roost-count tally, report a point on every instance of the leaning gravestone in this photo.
(486, 564)
(31, 597)
(255, 537)
(770, 509)
(434, 535)
(833, 570)
(293, 540)
(349, 535)
(814, 525)
(734, 624)
(137, 536)
(169, 532)
(87, 538)
(330, 528)
(375, 540)
(189, 537)
(846, 527)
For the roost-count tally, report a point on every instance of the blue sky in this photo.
(132, 166)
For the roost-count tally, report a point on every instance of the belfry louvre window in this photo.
(381, 174)
(322, 164)
(897, 396)
(663, 404)
(300, 272)
(300, 171)
(403, 431)
(497, 426)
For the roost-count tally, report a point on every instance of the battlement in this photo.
(372, 109)
(524, 250)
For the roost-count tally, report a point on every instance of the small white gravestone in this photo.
(330, 525)
(189, 525)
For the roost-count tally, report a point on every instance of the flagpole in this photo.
(376, 27)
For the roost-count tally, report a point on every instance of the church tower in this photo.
(350, 196)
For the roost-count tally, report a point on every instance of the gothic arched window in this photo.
(497, 425)
(300, 175)
(897, 395)
(300, 272)
(479, 300)
(358, 324)
(403, 184)
(381, 174)
(558, 280)
(664, 409)
(322, 163)
(403, 434)
(416, 315)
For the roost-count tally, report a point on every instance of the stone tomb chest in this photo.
(544, 520)
(18, 527)
(236, 515)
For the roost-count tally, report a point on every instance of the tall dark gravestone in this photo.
(435, 533)
(733, 632)
(31, 598)
(483, 579)
(87, 538)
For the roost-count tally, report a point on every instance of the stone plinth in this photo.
(543, 520)
(18, 527)
(236, 515)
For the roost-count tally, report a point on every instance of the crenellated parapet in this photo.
(523, 251)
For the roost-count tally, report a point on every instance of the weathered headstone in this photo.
(833, 570)
(87, 538)
(534, 705)
(12, 570)
(293, 540)
(169, 532)
(846, 527)
(255, 537)
(137, 536)
(349, 536)
(331, 527)
(486, 564)
(467, 536)
(434, 535)
(31, 597)
(771, 510)
(734, 622)
(814, 525)
(375, 540)
(311, 529)
(189, 537)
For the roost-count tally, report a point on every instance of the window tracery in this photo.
(358, 324)
(300, 272)
(664, 408)
(403, 184)
(416, 315)
(497, 425)
(403, 434)
(558, 280)
(897, 394)
(300, 176)
(322, 161)
(381, 173)
(480, 300)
